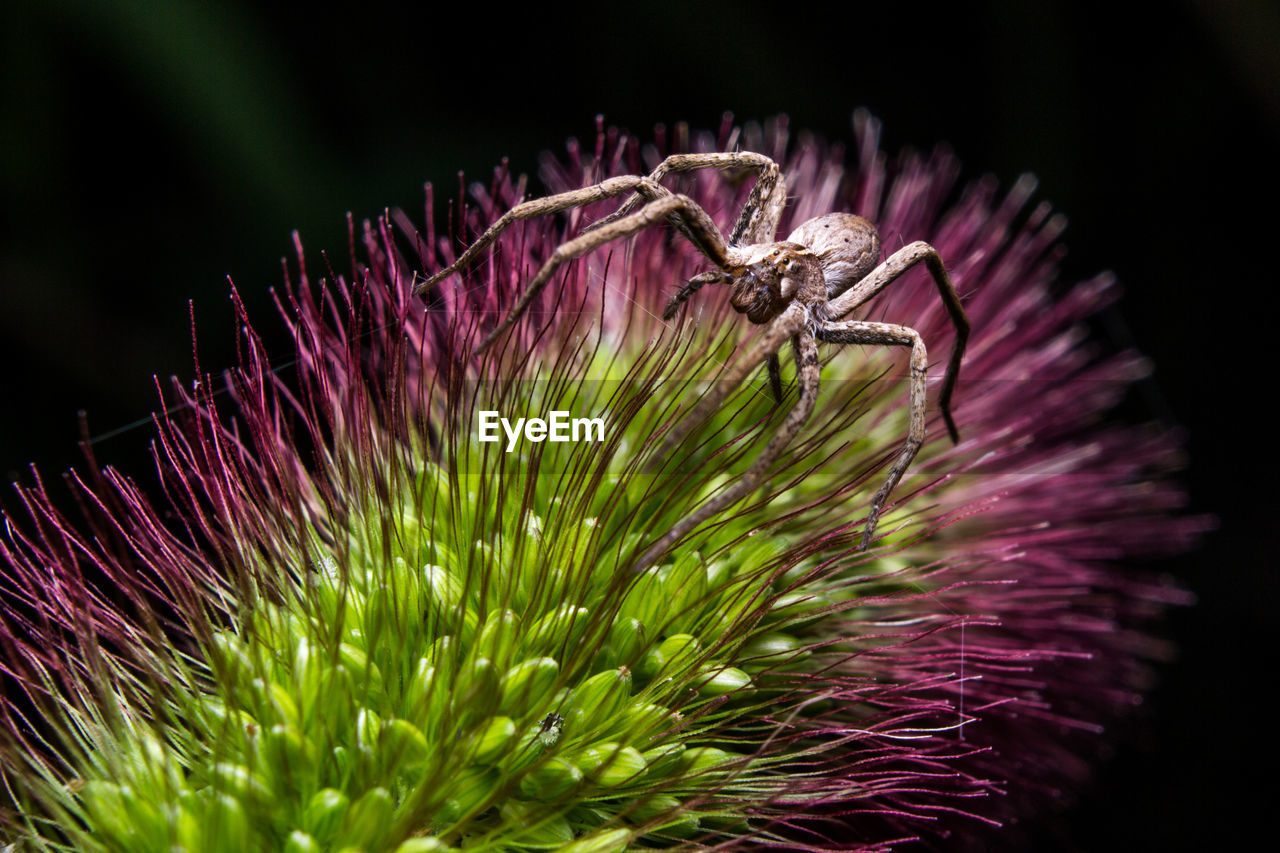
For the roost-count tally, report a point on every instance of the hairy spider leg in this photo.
(759, 218)
(693, 286)
(784, 327)
(884, 275)
(774, 368)
(709, 241)
(611, 188)
(807, 358)
(757, 222)
(863, 332)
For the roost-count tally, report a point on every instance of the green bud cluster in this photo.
(459, 659)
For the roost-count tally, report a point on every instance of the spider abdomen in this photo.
(847, 246)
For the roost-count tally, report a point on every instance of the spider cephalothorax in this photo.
(798, 289)
(772, 276)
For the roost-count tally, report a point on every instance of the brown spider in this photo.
(798, 289)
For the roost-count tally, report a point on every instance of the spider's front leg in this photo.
(558, 203)
(758, 221)
(707, 238)
(859, 332)
(692, 287)
(792, 324)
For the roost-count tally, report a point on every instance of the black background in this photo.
(149, 149)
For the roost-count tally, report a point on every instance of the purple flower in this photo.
(363, 625)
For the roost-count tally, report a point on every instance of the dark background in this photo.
(149, 149)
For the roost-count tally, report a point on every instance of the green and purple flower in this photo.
(349, 624)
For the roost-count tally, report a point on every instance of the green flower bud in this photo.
(471, 791)
(610, 764)
(596, 700)
(230, 654)
(152, 765)
(528, 685)
(661, 758)
(559, 629)
(442, 594)
(646, 600)
(645, 720)
(652, 663)
(289, 758)
(299, 842)
(308, 677)
(368, 819)
(551, 779)
(443, 655)
(238, 781)
(274, 704)
(800, 607)
(534, 827)
(343, 763)
(677, 653)
(607, 841)
(368, 728)
(724, 680)
(497, 636)
(402, 746)
(627, 641)
(423, 698)
(706, 759)
(493, 740)
(104, 803)
(390, 614)
(653, 807)
(476, 690)
(365, 675)
(325, 813)
(778, 646)
(425, 844)
(685, 585)
(227, 824)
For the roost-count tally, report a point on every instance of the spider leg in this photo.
(541, 207)
(882, 276)
(709, 240)
(775, 375)
(693, 286)
(807, 358)
(759, 219)
(783, 328)
(859, 332)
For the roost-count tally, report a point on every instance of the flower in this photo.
(359, 626)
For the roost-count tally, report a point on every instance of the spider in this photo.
(799, 289)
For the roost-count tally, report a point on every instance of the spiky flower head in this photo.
(357, 626)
